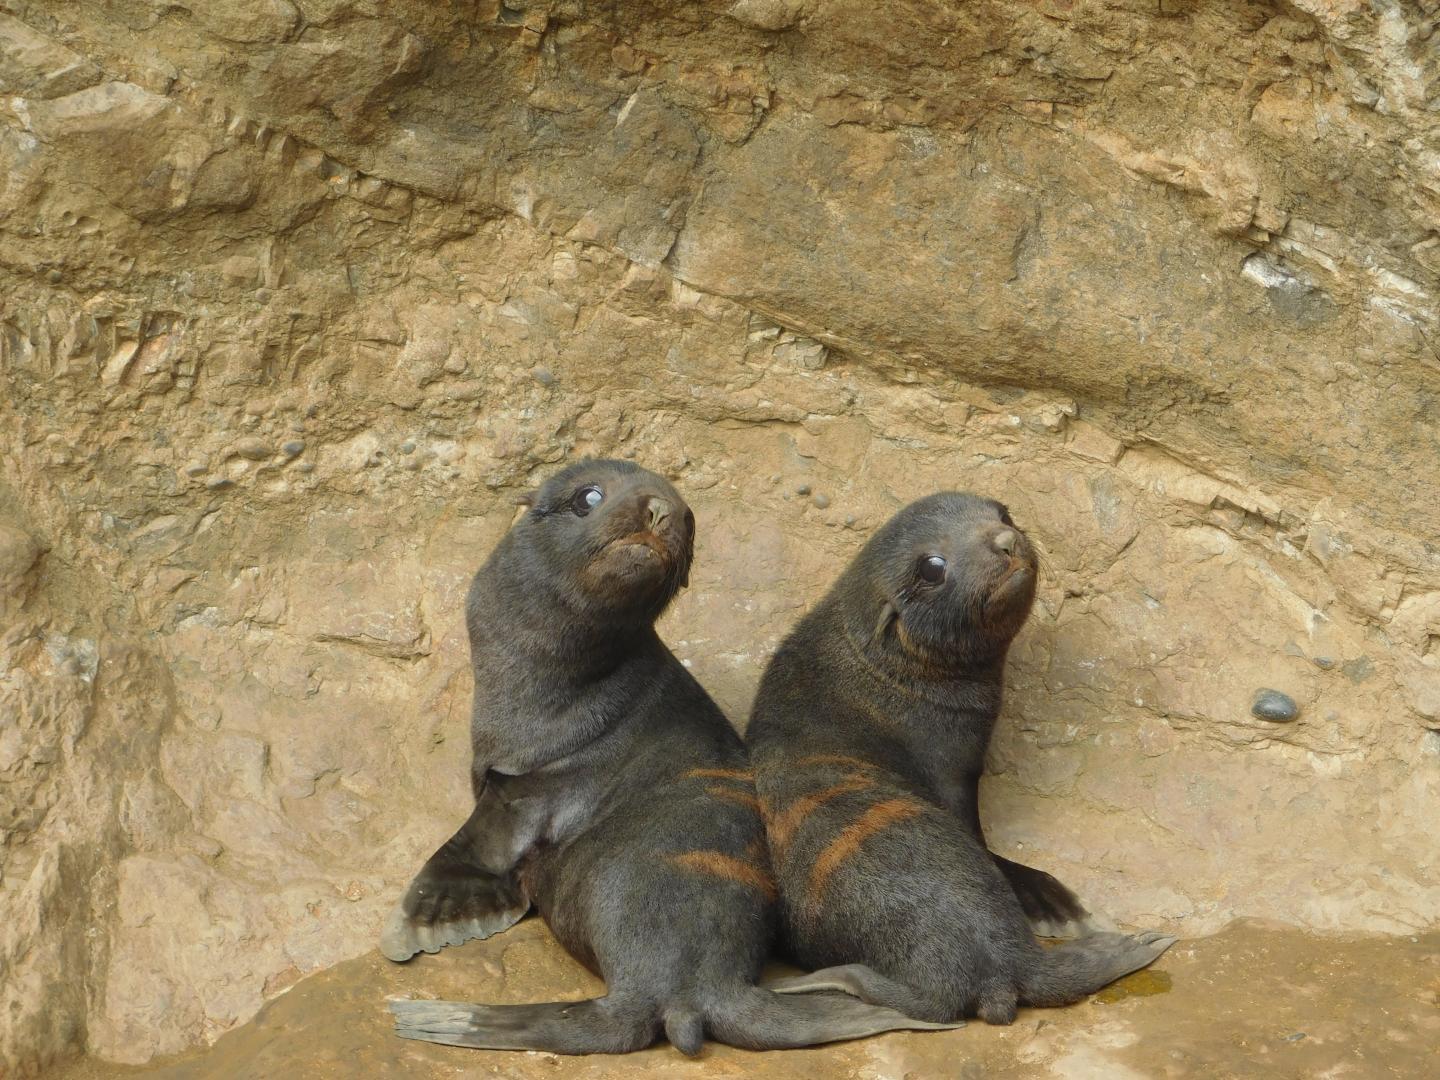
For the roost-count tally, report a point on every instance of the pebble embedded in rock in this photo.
(408, 446)
(219, 483)
(543, 375)
(821, 501)
(198, 467)
(1274, 706)
(1324, 663)
(1359, 669)
(294, 447)
(252, 449)
(803, 489)
(306, 466)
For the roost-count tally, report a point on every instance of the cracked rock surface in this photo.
(296, 296)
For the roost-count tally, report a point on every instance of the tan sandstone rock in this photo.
(298, 295)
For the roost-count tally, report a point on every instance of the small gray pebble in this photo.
(294, 447)
(543, 375)
(821, 501)
(1274, 706)
(1324, 663)
(408, 446)
(198, 467)
(219, 483)
(305, 466)
(850, 520)
(1359, 669)
(53, 277)
(803, 489)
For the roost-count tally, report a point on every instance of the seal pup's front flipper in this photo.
(467, 890)
(1053, 910)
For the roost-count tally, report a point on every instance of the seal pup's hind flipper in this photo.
(1068, 972)
(762, 1020)
(753, 1019)
(597, 1026)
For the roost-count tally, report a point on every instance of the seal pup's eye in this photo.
(932, 569)
(586, 499)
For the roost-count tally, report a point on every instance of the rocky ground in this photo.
(297, 296)
(1253, 1001)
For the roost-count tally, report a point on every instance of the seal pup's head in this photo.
(946, 583)
(613, 539)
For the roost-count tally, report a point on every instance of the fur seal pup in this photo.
(612, 793)
(867, 737)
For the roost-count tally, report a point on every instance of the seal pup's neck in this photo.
(518, 613)
(969, 675)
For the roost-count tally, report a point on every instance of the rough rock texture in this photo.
(296, 295)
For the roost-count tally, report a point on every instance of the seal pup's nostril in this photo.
(1006, 540)
(659, 509)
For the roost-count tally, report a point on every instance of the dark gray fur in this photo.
(584, 728)
(905, 677)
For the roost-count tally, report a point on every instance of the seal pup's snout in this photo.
(1007, 540)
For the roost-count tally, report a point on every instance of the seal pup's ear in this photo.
(888, 614)
(524, 503)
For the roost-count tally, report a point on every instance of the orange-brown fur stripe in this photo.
(782, 825)
(735, 795)
(720, 774)
(836, 759)
(876, 819)
(727, 866)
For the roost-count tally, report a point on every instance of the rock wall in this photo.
(299, 294)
